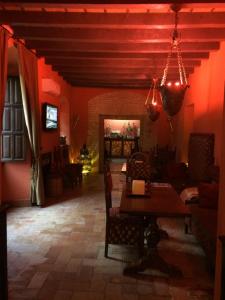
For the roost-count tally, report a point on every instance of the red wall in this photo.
(16, 181)
(16, 176)
(50, 139)
(79, 107)
(206, 93)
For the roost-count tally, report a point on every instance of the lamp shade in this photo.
(172, 98)
(153, 101)
(153, 112)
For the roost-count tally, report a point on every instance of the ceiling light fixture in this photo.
(172, 93)
(168, 94)
(153, 101)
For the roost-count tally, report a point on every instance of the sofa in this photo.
(204, 219)
(202, 199)
(200, 173)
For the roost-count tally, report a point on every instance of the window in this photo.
(13, 124)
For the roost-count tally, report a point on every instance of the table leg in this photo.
(152, 259)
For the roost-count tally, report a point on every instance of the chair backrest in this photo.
(108, 188)
(140, 156)
(138, 170)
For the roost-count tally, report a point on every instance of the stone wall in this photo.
(118, 103)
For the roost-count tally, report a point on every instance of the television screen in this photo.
(50, 116)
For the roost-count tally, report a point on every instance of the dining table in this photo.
(159, 200)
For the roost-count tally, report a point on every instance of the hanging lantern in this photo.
(172, 97)
(173, 92)
(153, 102)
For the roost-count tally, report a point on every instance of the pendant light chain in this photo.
(181, 65)
(179, 61)
(175, 47)
(175, 32)
(165, 72)
(146, 101)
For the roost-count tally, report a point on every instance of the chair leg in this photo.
(106, 249)
(140, 251)
(188, 225)
(106, 239)
(141, 243)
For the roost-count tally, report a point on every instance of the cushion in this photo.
(208, 195)
(189, 194)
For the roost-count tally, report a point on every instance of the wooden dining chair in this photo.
(140, 156)
(138, 167)
(121, 229)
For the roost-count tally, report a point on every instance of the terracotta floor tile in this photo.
(57, 253)
(38, 280)
(63, 295)
(87, 296)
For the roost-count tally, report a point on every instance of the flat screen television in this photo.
(50, 116)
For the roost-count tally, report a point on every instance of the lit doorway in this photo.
(118, 136)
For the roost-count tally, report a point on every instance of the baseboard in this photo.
(19, 203)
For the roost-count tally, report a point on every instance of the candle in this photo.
(138, 187)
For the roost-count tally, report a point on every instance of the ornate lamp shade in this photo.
(153, 102)
(173, 93)
(153, 112)
(172, 97)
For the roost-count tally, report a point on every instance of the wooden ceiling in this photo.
(118, 44)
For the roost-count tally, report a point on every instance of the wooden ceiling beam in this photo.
(147, 73)
(115, 69)
(73, 46)
(113, 56)
(110, 77)
(121, 77)
(120, 36)
(110, 21)
(97, 2)
(192, 53)
(121, 61)
(101, 66)
(115, 44)
(133, 84)
(85, 63)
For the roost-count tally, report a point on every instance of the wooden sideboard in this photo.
(120, 147)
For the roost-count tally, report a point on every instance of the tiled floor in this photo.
(57, 253)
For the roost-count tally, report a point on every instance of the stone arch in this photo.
(118, 103)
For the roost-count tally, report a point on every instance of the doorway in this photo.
(118, 135)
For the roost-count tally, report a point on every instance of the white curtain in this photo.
(4, 36)
(29, 86)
